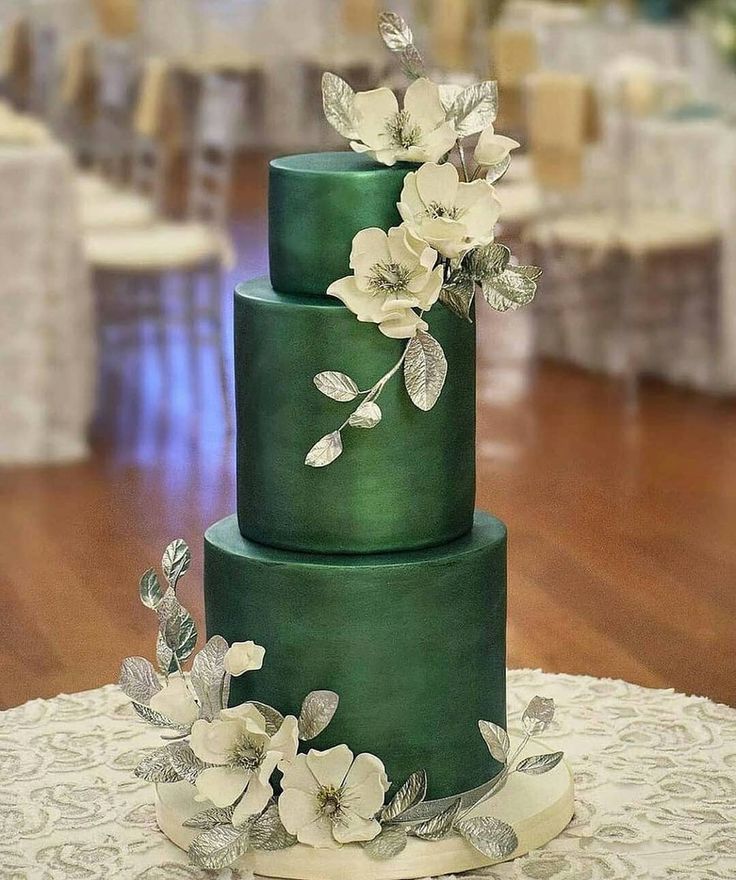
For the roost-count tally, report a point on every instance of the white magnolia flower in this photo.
(418, 133)
(493, 148)
(394, 274)
(243, 657)
(245, 755)
(329, 799)
(451, 216)
(175, 701)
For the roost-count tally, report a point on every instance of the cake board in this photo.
(538, 807)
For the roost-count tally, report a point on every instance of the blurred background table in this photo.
(47, 369)
(655, 788)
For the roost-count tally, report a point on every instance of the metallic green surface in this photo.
(413, 643)
(317, 203)
(405, 484)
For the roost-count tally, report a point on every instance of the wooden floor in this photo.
(623, 527)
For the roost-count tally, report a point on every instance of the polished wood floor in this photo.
(622, 554)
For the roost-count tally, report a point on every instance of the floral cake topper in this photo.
(325, 799)
(444, 249)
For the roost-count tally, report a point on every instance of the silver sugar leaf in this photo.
(185, 762)
(411, 793)
(208, 676)
(176, 561)
(412, 62)
(485, 263)
(439, 826)
(395, 32)
(325, 450)
(492, 837)
(458, 293)
(273, 718)
(530, 272)
(425, 370)
(337, 386)
(157, 767)
(496, 739)
(508, 291)
(367, 415)
(497, 171)
(179, 631)
(538, 715)
(390, 843)
(164, 655)
(149, 589)
(211, 818)
(474, 108)
(448, 93)
(316, 713)
(157, 718)
(219, 847)
(338, 102)
(538, 764)
(267, 832)
(138, 680)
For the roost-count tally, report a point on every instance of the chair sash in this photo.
(514, 57)
(450, 26)
(117, 18)
(360, 17)
(562, 119)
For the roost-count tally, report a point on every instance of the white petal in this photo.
(214, 741)
(250, 719)
(267, 766)
(422, 103)
(482, 214)
(402, 325)
(493, 148)
(438, 142)
(298, 775)
(175, 701)
(447, 236)
(373, 110)
(437, 184)
(222, 785)
(254, 801)
(297, 809)
(363, 304)
(353, 827)
(430, 294)
(365, 786)
(286, 741)
(370, 246)
(330, 767)
(243, 657)
(318, 834)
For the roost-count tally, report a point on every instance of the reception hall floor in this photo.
(622, 552)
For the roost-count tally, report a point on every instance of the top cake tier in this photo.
(317, 203)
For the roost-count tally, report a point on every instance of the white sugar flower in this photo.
(245, 757)
(329, 799)
(394, 274)
(451, 216)
(493, 148)
(175, 701)
(417, 133)
(243, 657)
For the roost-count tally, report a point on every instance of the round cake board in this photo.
(537, 807)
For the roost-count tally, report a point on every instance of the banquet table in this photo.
(46, 320)
(655, 776)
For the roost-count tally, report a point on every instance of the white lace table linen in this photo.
(655, 776)
(46, 320)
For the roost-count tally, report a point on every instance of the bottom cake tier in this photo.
(413, 643)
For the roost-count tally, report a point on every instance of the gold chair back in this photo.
(117, 18)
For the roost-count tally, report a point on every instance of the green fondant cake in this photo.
(412, 640)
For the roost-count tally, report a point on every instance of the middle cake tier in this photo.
(405, 484)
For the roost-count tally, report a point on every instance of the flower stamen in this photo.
(402, 132)
(389, 279)
(437, 210)
(247, 754)
(329, 801)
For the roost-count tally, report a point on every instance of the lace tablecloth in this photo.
(655, 776)
(46, 320)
